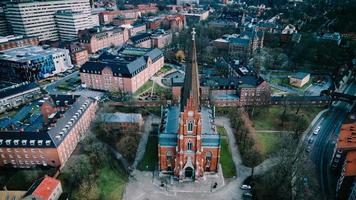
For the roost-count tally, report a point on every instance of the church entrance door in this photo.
(189, 172)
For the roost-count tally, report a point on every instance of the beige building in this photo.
(299, 79)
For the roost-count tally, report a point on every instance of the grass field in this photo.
(111, 183)
(268, 141)
(226, 160)
(164, 69)
(150, 159)
(143, 88)
(269, 117)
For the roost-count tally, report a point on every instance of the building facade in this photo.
(189, 144)
(10, 42)
(69, 23)
(125, 73)
(31, 63)
(68, 120)
(96, 39)
(37, 18)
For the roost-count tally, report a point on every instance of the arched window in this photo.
(190, 145)
(169, 155)
(208, 156)
(190, 126)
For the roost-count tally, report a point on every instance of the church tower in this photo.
(190, 127)
(189, 144)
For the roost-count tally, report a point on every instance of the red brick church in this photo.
(189, 144)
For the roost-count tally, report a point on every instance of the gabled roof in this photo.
(43, 188)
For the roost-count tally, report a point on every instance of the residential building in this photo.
(344, 159)
(154, 23)
(19, 94)
(122, 122)
(194, 16)
(122, 20)
(46, 188)
(241, 46)
(11, 194)
(70, 22)
(142, 40)
(12, 41)
(287, 33)
(299, 79)
(134, 29)
(219, 24)
(98, 38)
(63, 122)
(37, 18)
(161, 39)
(184, 2)
(189, 144)
(174, 23)
(127, 71)
(31, 63)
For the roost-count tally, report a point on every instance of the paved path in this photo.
(141, 186)
(143, 142)
(158, 79)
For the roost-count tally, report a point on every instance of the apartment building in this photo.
(37, 18)
(99, 38)
(126, 72)
(122, 122)
(68, 118)
(12, 41)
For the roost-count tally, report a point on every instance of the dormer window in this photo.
(24, 142)
(1, 142)
(48, 142)
(32, 142)
(40, 142)
(16, 142)
(8, 142)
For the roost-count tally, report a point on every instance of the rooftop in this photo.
(18, 88)
(350, 168)
(119, 117)
(127, 62)
(347, 137)
(28, 53)
(44, 187)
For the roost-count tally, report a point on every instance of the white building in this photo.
(69, 23)
(37, 18)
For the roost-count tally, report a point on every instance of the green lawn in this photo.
(150, 159)
(111, 183)
(144, 87)
(221, 130)
(164, 69)
(268, 142)
(269, 117)
(227, 164)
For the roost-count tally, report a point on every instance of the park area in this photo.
(226, 161)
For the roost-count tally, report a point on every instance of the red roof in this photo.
(46, 188)
(350, 168)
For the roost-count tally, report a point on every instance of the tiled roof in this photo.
(9, 91)
(300, 75)
(350, 168)
(43, 188)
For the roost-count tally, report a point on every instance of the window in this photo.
(190, 126)
(190, 145)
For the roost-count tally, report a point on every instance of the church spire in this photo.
(191, 79)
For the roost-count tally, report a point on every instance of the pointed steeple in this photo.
(191, 79)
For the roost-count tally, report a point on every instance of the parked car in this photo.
(316, 131)
(245, 187)
(308, 149)
(247, 195)
(310, 140)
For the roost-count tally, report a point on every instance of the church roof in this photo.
(191, 79)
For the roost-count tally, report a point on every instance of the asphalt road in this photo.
(324, 142)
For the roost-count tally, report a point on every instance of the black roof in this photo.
(121, 66)
(12, 90)
(140, 36)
